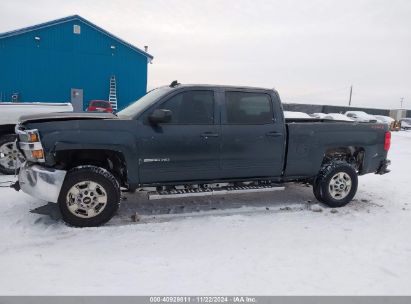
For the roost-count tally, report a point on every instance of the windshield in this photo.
(144, 102)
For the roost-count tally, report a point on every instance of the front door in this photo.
(77, 100)
(252, 139)
(187, 147)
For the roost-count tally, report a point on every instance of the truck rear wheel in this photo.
(10, 158)
(89, 197)
(336, 184)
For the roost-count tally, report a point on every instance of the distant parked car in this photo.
(318, 115)
(391, 122)
(100, 106)
(361, 116)
(384, 119)
(338, 116)
(291, 114)
(405, 123)
(10, 158)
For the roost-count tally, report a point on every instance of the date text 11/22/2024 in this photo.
(203, 299)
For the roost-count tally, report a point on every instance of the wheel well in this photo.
(113, 161)
(6, 129)
(352, 155)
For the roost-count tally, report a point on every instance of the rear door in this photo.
(252, 135)
(186, 148)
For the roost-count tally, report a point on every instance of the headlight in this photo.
(29, 142)
(30, 136)
(33, 136)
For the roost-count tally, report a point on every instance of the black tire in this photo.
(108, 186)
(328, 178)
(317, 189)
(7, 140)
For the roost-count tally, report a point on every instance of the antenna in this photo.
(174, 84)
(401, 101)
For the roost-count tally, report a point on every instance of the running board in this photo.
(175, 193)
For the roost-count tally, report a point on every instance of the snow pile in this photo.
(256, 244)
(291, 114)
(337, 116)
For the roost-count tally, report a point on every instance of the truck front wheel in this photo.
(336, 184)
(89, 197)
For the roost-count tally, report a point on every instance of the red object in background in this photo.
(99, 106)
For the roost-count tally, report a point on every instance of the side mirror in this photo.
(160, 116)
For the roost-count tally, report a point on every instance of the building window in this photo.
(76, 29)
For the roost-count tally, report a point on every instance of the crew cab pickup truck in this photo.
(191, 140)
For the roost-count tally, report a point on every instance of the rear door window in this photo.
(248, 108)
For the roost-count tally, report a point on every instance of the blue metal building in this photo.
(70, 60)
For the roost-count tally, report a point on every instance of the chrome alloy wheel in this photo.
(340, 185)
(86, 199)
(10, 158)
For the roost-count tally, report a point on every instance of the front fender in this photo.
(122, 142)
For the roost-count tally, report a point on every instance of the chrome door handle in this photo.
(209, 134)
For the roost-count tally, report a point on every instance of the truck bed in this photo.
(308, 140)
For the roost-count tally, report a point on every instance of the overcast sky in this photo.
(310, 51)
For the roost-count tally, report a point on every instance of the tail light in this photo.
(387, 141)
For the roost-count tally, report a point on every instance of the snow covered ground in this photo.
(256, 244)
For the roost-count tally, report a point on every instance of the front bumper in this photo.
(41, 182)
(383, 168)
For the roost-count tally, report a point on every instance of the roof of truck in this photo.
(183, 85)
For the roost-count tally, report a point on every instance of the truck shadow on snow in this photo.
(135, 207)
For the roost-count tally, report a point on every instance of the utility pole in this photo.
(349, 102)
(401, 101)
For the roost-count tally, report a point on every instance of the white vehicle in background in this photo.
(318, 115)
(291, 114)
(361, 116)
(384, 119)
(406, 123)
(9, 115)
(338, 116)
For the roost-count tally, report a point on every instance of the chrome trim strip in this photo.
(30, 146)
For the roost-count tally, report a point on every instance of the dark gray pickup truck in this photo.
(192, 140)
